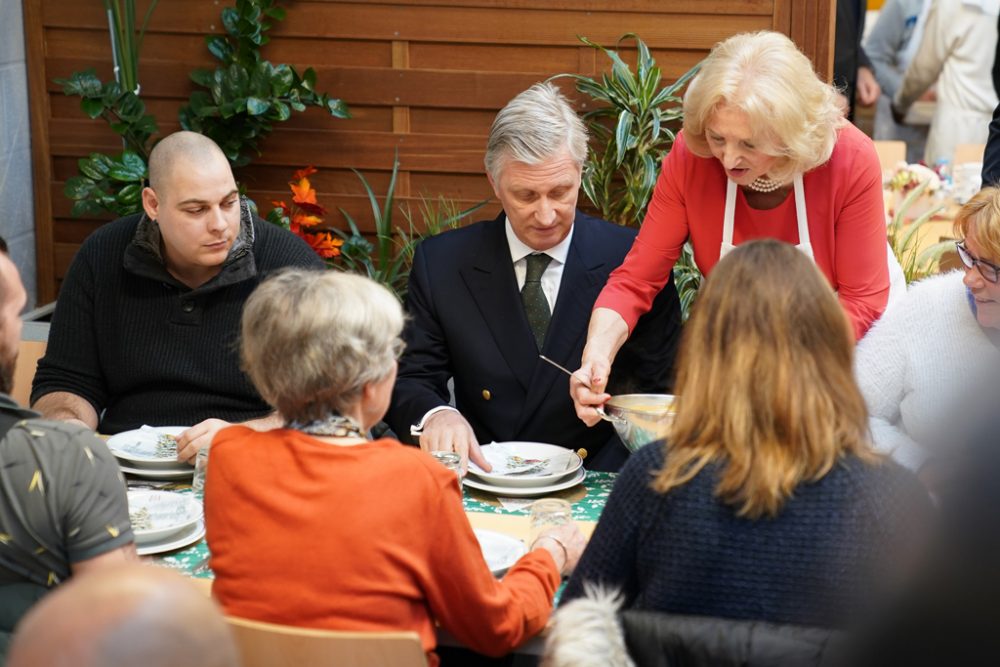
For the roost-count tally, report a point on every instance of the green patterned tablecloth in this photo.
(588, 501)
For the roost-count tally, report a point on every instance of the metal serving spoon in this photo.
(600, 409)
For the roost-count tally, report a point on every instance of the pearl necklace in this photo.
(764, 184)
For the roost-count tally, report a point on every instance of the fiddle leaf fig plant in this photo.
(246, 94)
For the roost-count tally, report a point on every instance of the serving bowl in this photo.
(639, 418)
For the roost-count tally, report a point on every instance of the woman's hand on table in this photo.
(565, 543)
(197, 438)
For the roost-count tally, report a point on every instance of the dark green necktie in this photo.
(536, 306)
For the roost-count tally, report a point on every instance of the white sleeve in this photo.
(418, 428)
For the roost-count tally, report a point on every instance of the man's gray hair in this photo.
(536, 125)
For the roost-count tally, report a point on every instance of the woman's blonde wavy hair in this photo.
(765, 383)
(794, 115)
(979, 219)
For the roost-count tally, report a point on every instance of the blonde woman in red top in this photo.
(314, 525)
(765, 152)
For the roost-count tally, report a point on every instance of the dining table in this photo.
(510, 516)
(485, 510)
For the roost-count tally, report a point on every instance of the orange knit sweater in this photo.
(364, 538)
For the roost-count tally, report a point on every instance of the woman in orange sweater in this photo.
(316, 526)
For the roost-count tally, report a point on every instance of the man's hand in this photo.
(586, 387)
(198, 437)
(449, 431)
(866, 90)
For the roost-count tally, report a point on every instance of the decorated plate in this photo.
(526, 464)
(567, 482)
(180, 540)
(148, 446)
(500, 551)
(156, 515)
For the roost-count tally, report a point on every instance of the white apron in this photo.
(897, 281)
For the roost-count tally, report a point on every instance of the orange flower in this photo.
(324, 244)
(304, 173)
(304, 220)
(303, 191)
(279, 204)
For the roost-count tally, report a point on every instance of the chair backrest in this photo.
(664, 640)
(968, 153)
(271, 645)
(29, 352)
(890, 153)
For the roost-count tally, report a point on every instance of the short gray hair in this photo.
(311, 340)
(536, 125)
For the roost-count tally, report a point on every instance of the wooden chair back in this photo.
(29, 352)
(270, 645)
(968, 153)
(890, 153)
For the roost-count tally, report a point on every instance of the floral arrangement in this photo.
(304, 214)
(906, 177)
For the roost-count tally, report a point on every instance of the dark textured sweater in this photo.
(145, 349)
(819, 562)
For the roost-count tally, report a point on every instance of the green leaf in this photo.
(85, 83)
(257, 106)
(231, 21)
(309, 79)
(202, 77)
(130, 195)
(92, 169)
(281, 111)
(276, 13)
(282, 79)
(338, 109)
(92, 108)
(134, 163)
(78, 187)
(219, 47)
(622, 130)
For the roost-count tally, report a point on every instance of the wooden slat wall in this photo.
(422, 77)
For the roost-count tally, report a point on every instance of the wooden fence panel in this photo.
(423, 79)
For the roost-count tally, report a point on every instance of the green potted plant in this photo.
(632, 128)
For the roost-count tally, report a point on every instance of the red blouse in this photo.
(846, 226)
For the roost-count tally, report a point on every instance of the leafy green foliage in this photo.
(904, 239)
(107, 184)
(246, 95)
(631, 130)
(388, 261)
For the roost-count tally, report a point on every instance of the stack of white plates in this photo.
(149, 452)
(526, 469)
(164, 520)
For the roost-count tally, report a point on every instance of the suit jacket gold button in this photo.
(487, 395)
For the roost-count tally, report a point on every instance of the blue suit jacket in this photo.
(468, 323)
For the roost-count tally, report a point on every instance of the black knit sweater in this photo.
(145, 349)
(832, 548)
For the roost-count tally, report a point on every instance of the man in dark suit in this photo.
(487, 299)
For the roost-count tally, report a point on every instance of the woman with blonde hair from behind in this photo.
(766, 501)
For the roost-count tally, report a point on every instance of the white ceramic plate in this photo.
(154, 473)
(164, 514)
(174, 542)
(139, 446)
(569, 481)
(500, 551)
(559, 462)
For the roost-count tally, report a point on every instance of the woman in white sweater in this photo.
(918, 366)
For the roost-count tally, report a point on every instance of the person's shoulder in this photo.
(852, 145)
(443, 248)
(69, 445)
(929, 305)
(411, 463)
(111, 237)
(884, 484)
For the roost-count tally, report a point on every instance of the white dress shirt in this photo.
(551, 280)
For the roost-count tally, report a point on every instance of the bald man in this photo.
(145, 328)
(141, 615)
(63, 510)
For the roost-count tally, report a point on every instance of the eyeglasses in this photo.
(989, 272)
